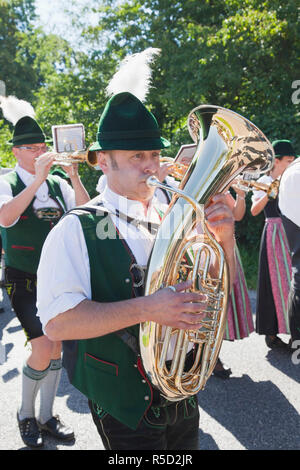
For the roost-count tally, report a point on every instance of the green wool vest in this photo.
(23, 241)
(106, 369)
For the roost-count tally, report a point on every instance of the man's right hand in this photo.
(11, 211)
(42, 166)
(178, 309)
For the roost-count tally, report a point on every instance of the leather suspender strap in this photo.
(123, 334)
(130, 340)
(150, 226)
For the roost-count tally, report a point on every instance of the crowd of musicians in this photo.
(67, 284)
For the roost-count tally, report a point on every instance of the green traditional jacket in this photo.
(23, 242)
(106, 369)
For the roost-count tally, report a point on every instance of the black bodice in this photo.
(271, 209)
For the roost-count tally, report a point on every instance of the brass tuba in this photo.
(227, 145)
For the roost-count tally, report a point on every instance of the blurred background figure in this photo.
(288, 198)
(239, 316)
(274, 272)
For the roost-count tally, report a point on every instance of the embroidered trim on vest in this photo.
(19, 247)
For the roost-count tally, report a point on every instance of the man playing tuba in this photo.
(104, 247)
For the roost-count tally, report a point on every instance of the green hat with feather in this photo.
(126, 123)
(21, 114)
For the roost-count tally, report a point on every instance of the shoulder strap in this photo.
(55, 191)
(88, 209)
(129, 339)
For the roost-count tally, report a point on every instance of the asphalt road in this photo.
(256, 409)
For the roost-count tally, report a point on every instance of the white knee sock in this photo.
(31, 382)
(48, 390)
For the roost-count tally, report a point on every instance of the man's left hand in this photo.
(72, 170)
(220, 220)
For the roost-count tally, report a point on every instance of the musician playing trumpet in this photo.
(274, 273)
(31, 203)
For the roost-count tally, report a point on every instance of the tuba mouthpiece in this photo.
(152, 181)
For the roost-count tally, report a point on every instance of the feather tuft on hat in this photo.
(134, 74)
(14, 109)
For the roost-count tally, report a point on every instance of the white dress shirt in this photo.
(64, 269)
(42, 198)
(289, 193)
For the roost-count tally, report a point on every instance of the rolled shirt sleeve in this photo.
(68, 193)
(102, 181)
(63, 277)
(5, 192)
(258, 194)
(6, 195)
(289, 194)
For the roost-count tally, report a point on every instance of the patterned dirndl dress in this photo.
(274, 276)
(239, 323)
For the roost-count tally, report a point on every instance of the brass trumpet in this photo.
(80, 156)
(177, 170)
(271, 189)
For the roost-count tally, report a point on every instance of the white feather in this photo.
(14, 109)
(134, 74)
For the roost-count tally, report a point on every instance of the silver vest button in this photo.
(127, 280)
(146, 398)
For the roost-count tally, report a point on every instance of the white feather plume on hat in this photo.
(134, 74)
(14, 109)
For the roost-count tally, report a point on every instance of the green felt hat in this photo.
(28, 131)
(283, 148)
(126, 124)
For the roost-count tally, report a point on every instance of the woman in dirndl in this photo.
(274, 272)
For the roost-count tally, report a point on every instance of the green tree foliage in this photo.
(239, 54)
(15, 61)
(15, 65)
(28, 57)
(242, 55)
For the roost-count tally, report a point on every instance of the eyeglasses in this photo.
(33, 149)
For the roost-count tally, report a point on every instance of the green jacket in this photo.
(106, 369)
(23, 242)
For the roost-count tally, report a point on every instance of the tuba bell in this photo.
(227, 145)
